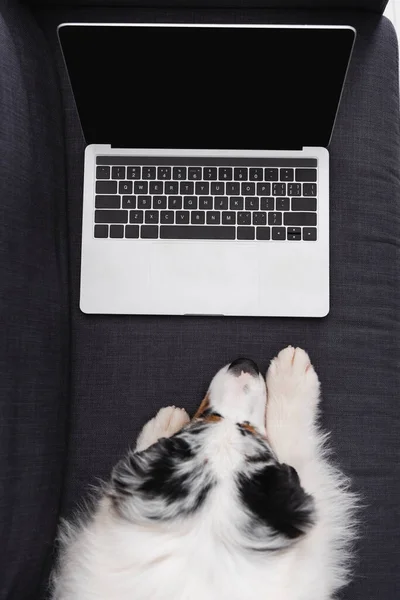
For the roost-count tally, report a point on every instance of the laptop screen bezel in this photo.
(125, 143)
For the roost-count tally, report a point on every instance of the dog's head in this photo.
(220, 467)
(237, 393)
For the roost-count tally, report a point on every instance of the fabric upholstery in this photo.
(83, 414)
(34, 314)
(125, 368)
(373, 5)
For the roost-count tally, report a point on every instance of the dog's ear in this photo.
(160, 483)
(274, 497)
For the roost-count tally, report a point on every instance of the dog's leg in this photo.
(166, 423)
(292, 407)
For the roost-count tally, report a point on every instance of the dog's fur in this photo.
(209, 509)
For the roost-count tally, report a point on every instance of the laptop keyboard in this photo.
(210, 200)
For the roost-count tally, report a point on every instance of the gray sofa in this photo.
(75, 389)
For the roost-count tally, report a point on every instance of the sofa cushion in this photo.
(124, 367)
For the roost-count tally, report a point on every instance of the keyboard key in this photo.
(190, 202)
(197, 217)
(279, 189)
(101, 231)
(151, 216)
(156, 187)
(116, 231)
(225, 173)
(175, 202)
(164, 173)
(210, 173)
(309, 189)
(271, 175)
(182, 217)
(246, 233)
(159, 202)
(300, 218)
(132, 231)
(202, 188)
(118, 172)
(241, 174)
(171, 187)
(186, 187)
(206, 202)
(144, 202)
(310, 234)
(202, 232)
(259, 218)
(132, 173)
(218, 188)
(267, 203)
(228, 218)
(278, 233)
(274, 218)
(149, 232)
(252, 203)
(306, 174)
(136, 216)
(293, 233)
(236, 203)
(148, 172)
(244, 218)
(283, 204)
(128, 201)
(263, 233)
(221, 203)
(102, 172)
(294, 189)
(232, 188)
(248, 189)
(304, 204)
(141, 187)
(256, 174)
(194, 173)
(125, 187)
(179, 173)
(287, 175)
(263, 189)
(108, 202)
(111, 216)
(213, 218)
(167, 217)
(106, 187)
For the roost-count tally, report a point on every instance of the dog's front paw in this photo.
(167, 422)
(291, 376)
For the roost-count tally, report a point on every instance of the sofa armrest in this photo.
(377, 6)
(34, 349)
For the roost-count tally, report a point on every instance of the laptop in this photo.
(206, 172)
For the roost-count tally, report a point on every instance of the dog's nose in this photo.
(244, 365)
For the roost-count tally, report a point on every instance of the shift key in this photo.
(111, 216)
(300, 218)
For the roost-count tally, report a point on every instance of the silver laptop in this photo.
(206, 182)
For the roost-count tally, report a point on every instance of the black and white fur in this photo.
(241, 503)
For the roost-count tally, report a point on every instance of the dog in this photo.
(239, 503)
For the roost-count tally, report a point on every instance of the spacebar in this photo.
(197, 232)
